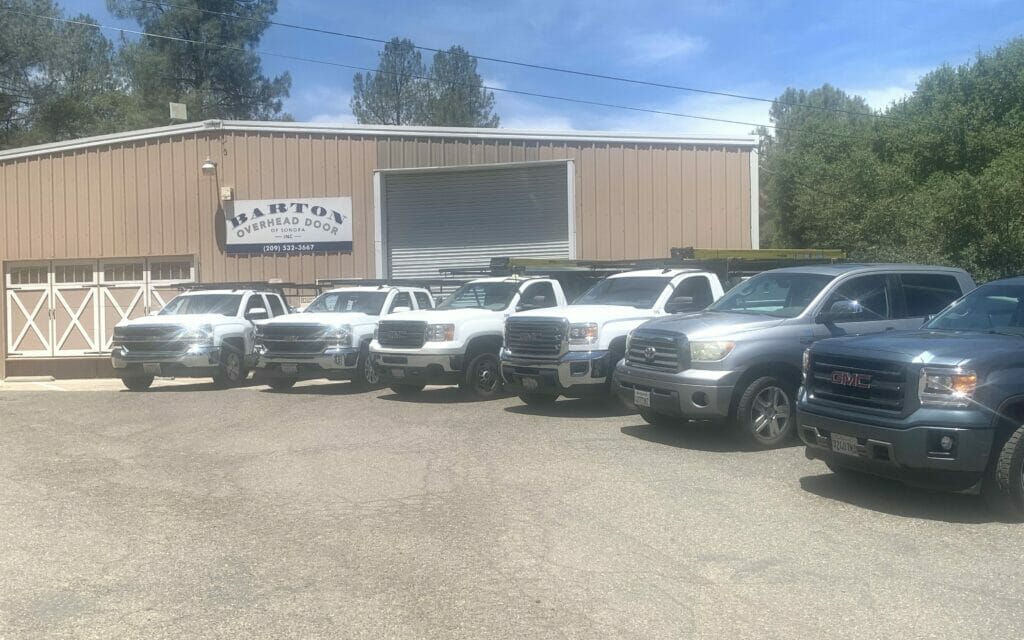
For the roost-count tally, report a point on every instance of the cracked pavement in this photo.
(322, 513)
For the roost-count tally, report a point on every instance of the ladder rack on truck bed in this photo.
(287, 290)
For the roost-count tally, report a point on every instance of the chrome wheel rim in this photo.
(233, 366)
(370, 372)
(487, 376)
(770, 413)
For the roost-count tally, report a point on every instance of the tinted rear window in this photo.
(928, 293)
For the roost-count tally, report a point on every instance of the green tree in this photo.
(396, 94)
(403, 91)
(220, 77)
(455, 96)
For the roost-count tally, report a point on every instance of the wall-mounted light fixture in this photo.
(209, 167)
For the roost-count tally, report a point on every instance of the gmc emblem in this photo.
(848, 379)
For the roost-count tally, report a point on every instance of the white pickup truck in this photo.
(459, 341)
(572, 351)
(197, 334)
(331, 337)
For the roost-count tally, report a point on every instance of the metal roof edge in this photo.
(749, 141)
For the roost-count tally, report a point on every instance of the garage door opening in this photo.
(441, 218)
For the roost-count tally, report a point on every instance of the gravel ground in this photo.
(191, 512)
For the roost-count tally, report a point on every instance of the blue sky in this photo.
(877, 49)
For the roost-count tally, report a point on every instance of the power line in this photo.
(332, 63)
(528, 65)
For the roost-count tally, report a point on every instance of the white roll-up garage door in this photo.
(436, 219)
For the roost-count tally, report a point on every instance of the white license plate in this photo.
(641, 398)
(531, 384)
(289, 368)
(398, 373)
(152, 369)
(844, 444)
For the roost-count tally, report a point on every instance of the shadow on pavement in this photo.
(324, 389)
(894, 498)
(446, 395)
(575, 408)
(199, 385)
(713, 436)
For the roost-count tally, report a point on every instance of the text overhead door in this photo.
(436, 219)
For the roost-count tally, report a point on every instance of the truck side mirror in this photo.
(841, 311)
(535, 302)
(258, 313)
(681, 305)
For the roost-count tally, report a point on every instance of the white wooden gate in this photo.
(69, 308)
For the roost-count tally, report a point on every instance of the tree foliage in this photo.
(404, 91)
(224, 80)
(938, 179)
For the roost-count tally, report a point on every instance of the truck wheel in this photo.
(766, 412)
(137, 383)
(407, 389)
(659, 419)
(367, 376)
(281, 384)
(1003, 487)
(232, 370)
(537, 399)
(482, 377)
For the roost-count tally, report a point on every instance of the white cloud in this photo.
(655, 47)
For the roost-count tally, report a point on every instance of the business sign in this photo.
(292, 225)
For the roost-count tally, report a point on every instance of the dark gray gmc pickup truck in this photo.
(941, 407)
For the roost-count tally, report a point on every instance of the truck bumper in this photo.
(417, 368)
(699, 394)
(339, 363)
(190, 360)
(911, 453)
(575, 374)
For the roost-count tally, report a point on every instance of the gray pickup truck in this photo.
(740, 359)
(942, 406)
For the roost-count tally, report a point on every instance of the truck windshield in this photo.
(780, 295)
(481, 295)
(225, 304)
(641, 293)
(368, 302)
(992, 308)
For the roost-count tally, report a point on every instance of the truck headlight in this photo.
(583, 333)
(200, 334)
(946, 387)
(710, 350)
(440, 332)
(341, 334)
(805, 365)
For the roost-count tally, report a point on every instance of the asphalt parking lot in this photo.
(191, 512)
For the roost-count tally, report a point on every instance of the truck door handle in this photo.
(890, 328)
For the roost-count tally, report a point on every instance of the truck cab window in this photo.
(928, 293)
(423, 300)
(696, 288)
(539, 295)
(402, 299)
(276, 306)
(872, 293)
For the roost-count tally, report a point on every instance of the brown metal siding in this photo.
(149, 198)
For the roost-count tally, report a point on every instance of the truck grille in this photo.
(656, 350)
(533, 337)
(162, 339)
(394, 333)
(860, 382)
(292, 339)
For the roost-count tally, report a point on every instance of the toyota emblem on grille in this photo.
(649, 353)
(850, 379)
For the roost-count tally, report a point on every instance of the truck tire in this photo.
(1003, 486)
(766, 412)
(367, 376)
(231, 371)
(137, 383)
(482, 377)
(538, 399)
(407, 389)
(659, 419)
(281, 384)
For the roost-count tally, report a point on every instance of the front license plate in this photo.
(289, 368)
(641, 398)
(398, 373)
(531, 384)
(844, 444)
(151, 369)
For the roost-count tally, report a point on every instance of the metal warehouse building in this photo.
(105, 228)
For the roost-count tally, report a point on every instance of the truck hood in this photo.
(182, 320)
(589, 313)
(711, 324)
(439, 316)
(927, 347)
(327, 318)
